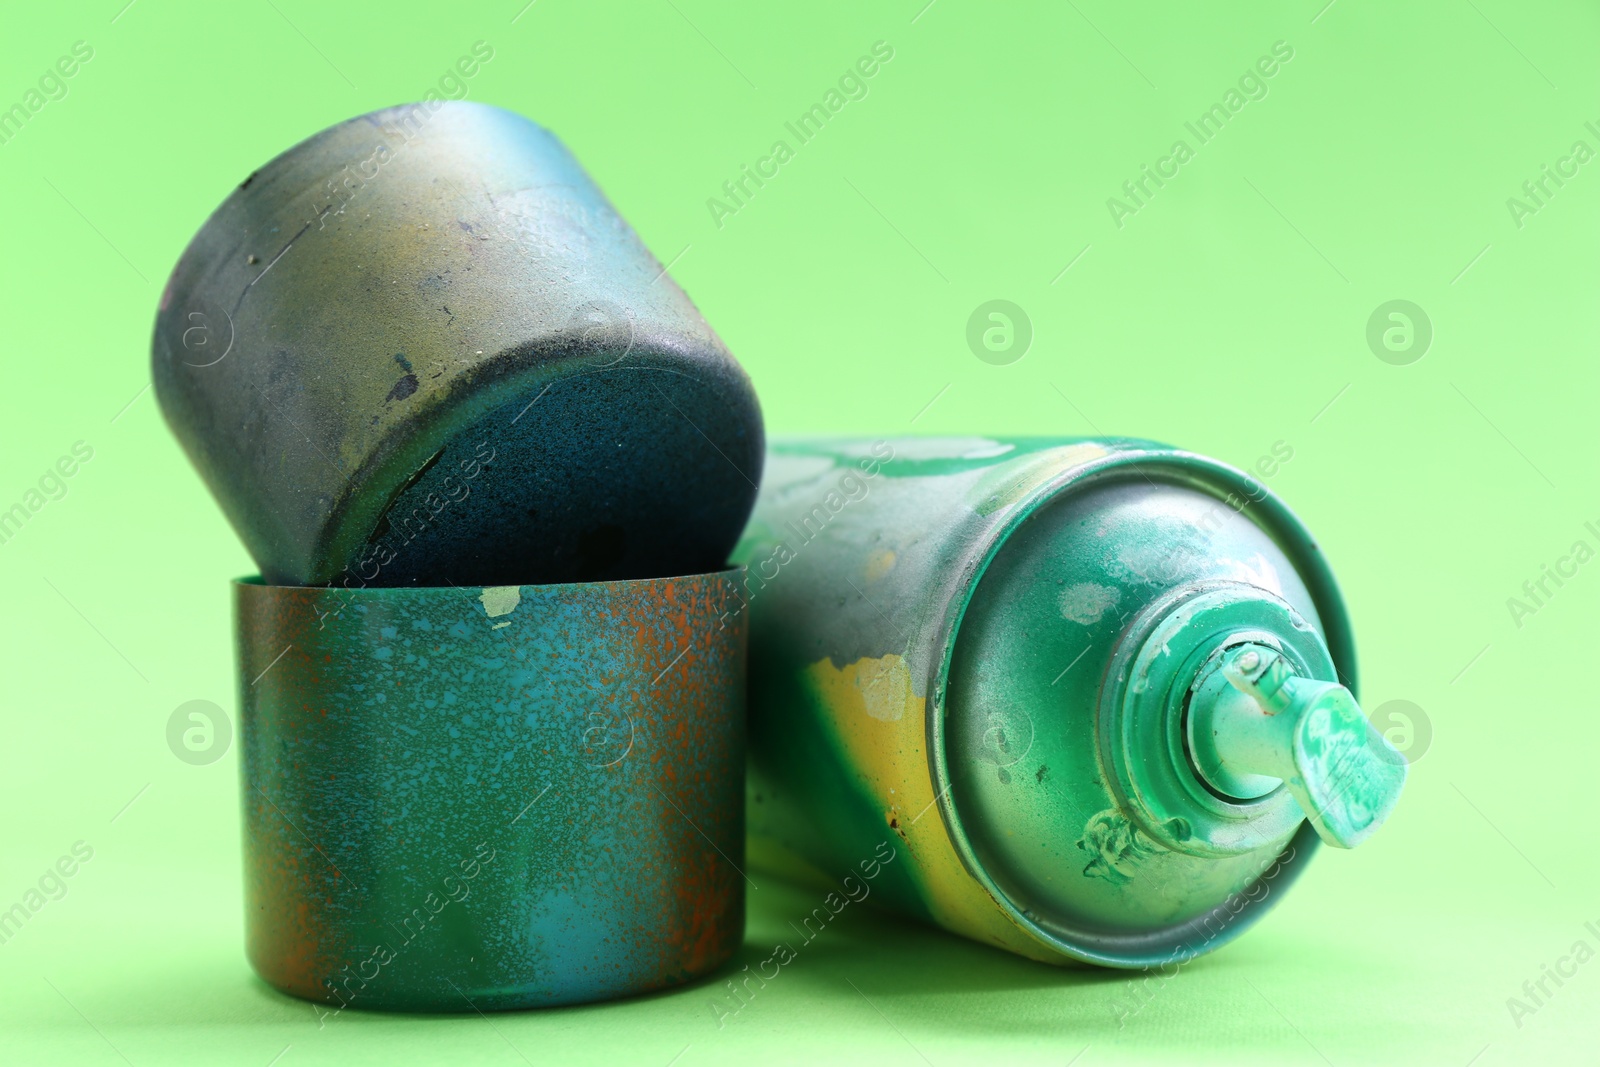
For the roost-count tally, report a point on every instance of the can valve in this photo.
(1253, 724)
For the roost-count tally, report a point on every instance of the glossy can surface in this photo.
(421, 347)
(943, 656)
(460, 799)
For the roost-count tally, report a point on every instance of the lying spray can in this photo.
(1098, 693)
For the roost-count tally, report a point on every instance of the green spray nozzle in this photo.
(1253, 724)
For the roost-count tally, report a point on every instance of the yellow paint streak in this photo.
(879, 564)
(880, 726)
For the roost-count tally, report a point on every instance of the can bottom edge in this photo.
(455, 1000)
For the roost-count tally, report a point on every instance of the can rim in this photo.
(1203, 474)
(255, 581)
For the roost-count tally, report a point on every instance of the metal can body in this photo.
(422, 347)
(460, 799)
(935, 627)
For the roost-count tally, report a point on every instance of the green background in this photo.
(1227, 315)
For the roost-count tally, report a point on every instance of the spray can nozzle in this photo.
(1254, 724)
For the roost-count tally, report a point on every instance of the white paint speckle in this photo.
(885, 687)
(500, 600)
(1086, 602)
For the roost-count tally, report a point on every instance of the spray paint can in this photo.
(422, 347)
(491, 798)
(1098, 694)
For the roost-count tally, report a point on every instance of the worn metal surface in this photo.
(421, 346)
(491, 798)
(939, 633)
